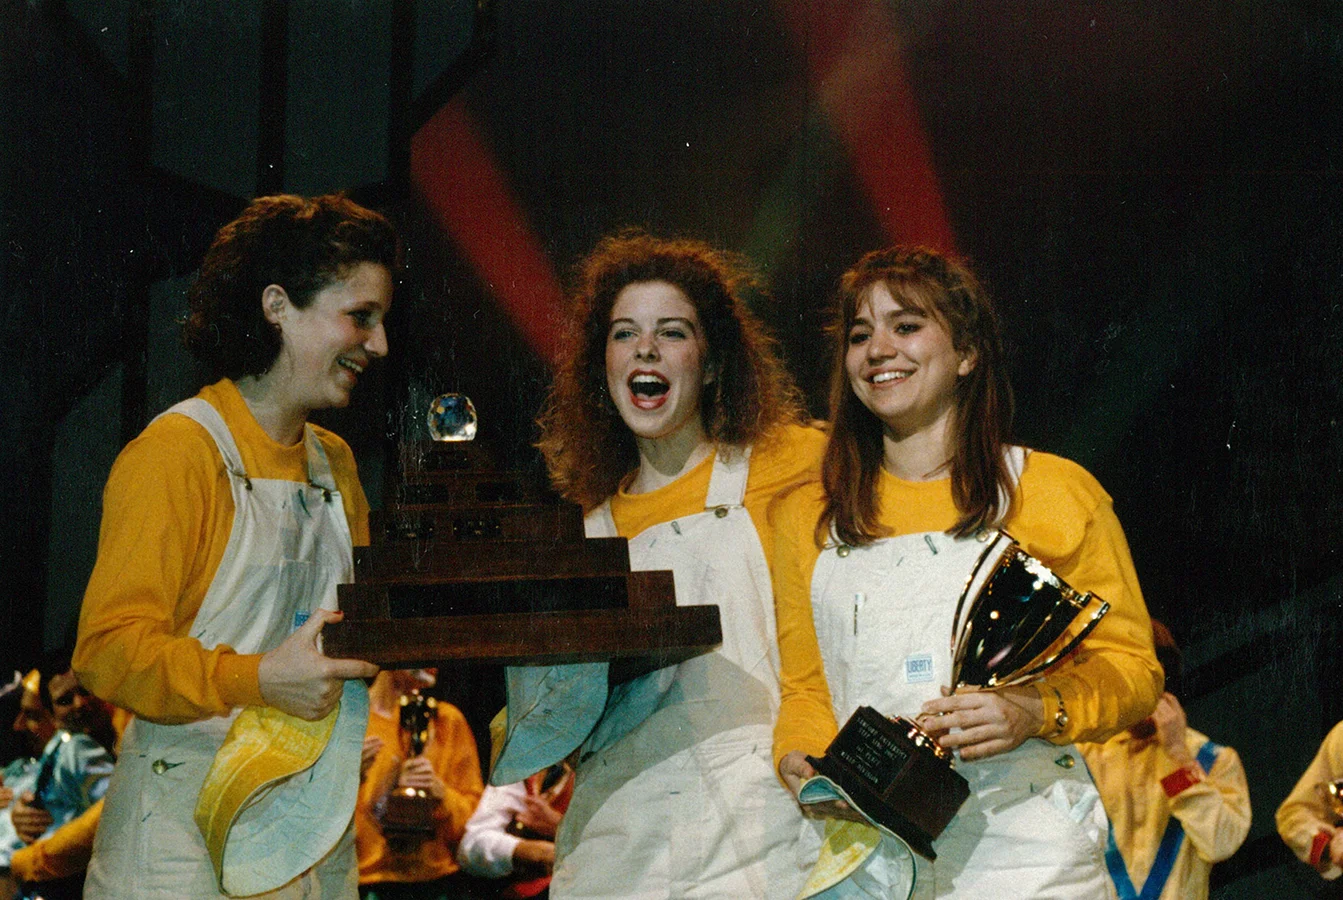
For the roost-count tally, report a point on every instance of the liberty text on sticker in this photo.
(919, 668)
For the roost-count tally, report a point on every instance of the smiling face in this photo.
(328, 343)
(33, 723)
(655, 362)
(902, 364)
(73, 708)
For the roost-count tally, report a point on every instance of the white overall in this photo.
(288, 549)
(1033, 826)
(676, 794)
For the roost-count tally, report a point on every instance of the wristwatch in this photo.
(1060, 713)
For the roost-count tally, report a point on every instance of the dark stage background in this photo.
(1152, 191)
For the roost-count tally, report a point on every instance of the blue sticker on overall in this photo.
(300, 617)
(919, 668)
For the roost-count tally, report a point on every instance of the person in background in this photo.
(12, 745)
(227, 524)
(68, 778)
(1307, 820)
(511, 835)
(1177, 802)
(53, 866)
(33, 723)
(869, 565)
(63, 855)
(672, 422)
(445, 773)
(31, 729)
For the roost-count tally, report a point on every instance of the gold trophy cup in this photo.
(1018, 610)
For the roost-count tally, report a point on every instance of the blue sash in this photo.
(1165, 854)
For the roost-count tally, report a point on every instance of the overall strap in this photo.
(205, 415)
(1166, 853)
(727, 488)
(319, 468)
(600, 523)
(727, 483)
(1015, 458)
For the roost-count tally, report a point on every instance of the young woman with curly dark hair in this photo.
(227, 525)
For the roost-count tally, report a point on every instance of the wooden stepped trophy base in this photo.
(471, 565)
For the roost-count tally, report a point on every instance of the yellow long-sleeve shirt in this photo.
(1062, 516)
(167, 516)
(789, 455)
(1142, 788)
(452, 752)
(1304, 821)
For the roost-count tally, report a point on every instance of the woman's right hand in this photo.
(297, 678)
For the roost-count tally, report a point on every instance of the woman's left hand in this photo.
(794, 770)
(988, 722)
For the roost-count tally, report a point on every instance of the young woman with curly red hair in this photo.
(674, 424)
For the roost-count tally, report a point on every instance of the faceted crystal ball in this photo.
(452, 417)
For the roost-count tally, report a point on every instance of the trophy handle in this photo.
(956, 637)
(970, 580)
(1030, 673)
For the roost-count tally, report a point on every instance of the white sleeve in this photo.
(486, 849)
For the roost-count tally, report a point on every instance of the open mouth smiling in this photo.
(889, 376)
(648, 389)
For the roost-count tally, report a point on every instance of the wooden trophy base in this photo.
(473, 565)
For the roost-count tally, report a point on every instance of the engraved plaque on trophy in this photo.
(468, 563)
(895, 773)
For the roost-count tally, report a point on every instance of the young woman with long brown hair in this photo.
(869, 565)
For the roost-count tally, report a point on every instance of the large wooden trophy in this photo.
(471, 564)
